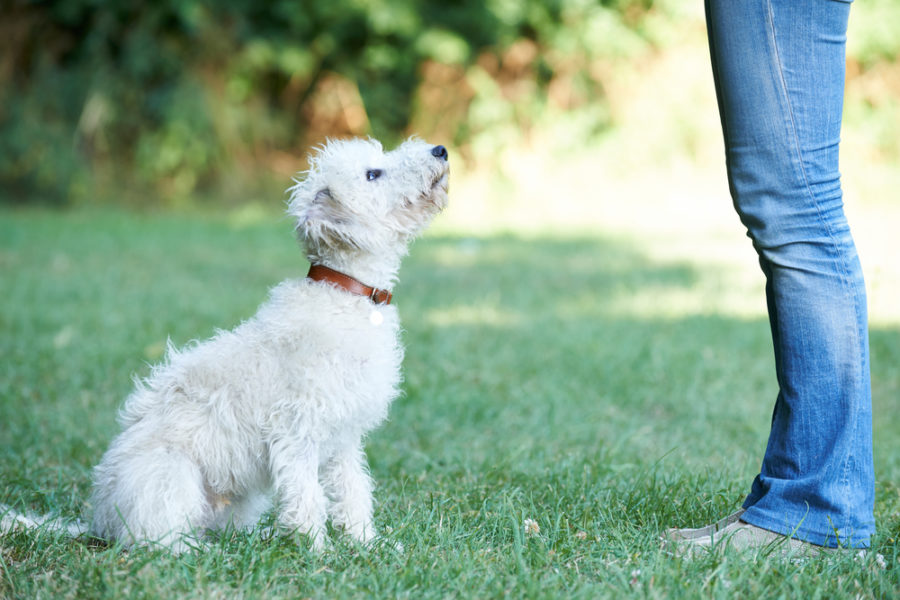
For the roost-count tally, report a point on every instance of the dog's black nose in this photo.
(439, 152)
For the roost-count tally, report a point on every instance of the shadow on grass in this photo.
(533, 381)
(524, 351)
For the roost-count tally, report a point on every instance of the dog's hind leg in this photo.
(345, 477)
(154, 495)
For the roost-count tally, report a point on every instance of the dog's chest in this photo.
(338, 356)
(345, 366)
(368, 347)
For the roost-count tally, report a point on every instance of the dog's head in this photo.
(355, 197)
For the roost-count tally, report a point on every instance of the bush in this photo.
(176, 99)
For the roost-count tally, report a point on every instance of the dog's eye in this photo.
(373, 174)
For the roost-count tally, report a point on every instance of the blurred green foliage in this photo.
(174, 96)
(878, 22)
(177, 99)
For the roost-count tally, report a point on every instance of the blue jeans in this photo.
(778, 67)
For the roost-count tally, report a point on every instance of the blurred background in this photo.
(186, 101)
(559, 114)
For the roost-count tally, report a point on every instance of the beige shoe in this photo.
(710, 531)
(732, 532)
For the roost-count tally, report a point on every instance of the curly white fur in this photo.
(277, 408)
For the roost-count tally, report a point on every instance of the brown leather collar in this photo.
(345, 282)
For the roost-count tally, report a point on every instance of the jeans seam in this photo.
(798, 152)
(848, 288)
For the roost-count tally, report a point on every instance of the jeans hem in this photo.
(855, 539)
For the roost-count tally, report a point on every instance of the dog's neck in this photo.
(376, 273)
(349, 284)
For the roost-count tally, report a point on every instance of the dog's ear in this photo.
(307, 206)
(323, 222)
(323, 196)
(320, 208)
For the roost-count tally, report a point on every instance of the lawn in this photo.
(605, 383)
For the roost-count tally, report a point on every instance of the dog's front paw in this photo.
(389, 543)
(368, 536)
(384, 540)
(315, 540)
(310, 536)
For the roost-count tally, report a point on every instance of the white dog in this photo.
(277, 409)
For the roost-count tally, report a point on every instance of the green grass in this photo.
(535, 389)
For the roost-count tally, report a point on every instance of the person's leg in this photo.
(779, 72)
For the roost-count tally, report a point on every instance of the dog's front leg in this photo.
(346, 480)
(301, 499)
